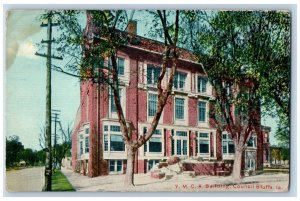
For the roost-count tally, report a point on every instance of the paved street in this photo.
(180, 183)
(28, 180)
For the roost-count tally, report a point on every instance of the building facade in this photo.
(185, 128)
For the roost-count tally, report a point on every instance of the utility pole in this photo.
(48, 162)
(56, 120)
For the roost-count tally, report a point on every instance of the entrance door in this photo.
(250, 160)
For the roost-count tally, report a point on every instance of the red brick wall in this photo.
(141, 166)
(212, 141)
(219, 145)
(104, 101)
(168, 111)
(192, 143)
(132, 96)
(92, 118)
(142, 106)
(168, 142)
(192, 110)
(259, 151)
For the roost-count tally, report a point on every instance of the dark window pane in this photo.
(87, 145)
(184, 147)
(152, 104)
(116, 143)
(178, 147)
(154, 146)
(120, 66)
(204, 146)
(119, 165)
(202, 111)
(111, 165)
(231, 148)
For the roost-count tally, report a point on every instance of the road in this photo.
(25, 180)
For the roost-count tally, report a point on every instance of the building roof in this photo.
(93, 31)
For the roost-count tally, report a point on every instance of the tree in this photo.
(107, 20)
(236, 48)
(276, 154)
(62, 149)
(285, 154)
(282, 133)
(29, 156)
(13, 150)
(104, 41)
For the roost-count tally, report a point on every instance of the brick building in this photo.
(184, 129)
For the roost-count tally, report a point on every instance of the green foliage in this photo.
(60, 182)
(14, 149)
(276, 154)
(29, 156)
(15, 153)
(238, 45)
(285, 153)
(282, 134)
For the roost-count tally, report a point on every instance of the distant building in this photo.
(266, 145)
(185, 128)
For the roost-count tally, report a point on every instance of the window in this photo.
(202, 142)
(87, 130)
(152, 104)
(227, 144)
(201, 85)
(87, 144)
(252, 142)
(115, 166)
(112, 100)
(180, 140)
(154, 144)
(152, 163)
(112, 138)
(81, 147)
(202, 111)
(115, 128)
(178, 147)
(105, 142)
(106, 128)
(181, 133)
(153, 73)
(120, 65)
(179, 108)
(179, 80)
(116, 143)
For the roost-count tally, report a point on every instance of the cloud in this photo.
(27, 49)
(20, 24)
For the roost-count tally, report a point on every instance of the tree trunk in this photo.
(129, 177)
(237, 165)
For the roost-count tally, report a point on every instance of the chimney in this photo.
(132, 27)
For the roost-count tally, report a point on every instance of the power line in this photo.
(49, 41)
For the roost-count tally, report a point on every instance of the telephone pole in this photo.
(56, 120)
(48, 162)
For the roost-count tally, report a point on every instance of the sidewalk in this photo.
(179, 183)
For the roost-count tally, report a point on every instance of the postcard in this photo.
(148, 100)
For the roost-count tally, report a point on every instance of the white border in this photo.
(19, 4)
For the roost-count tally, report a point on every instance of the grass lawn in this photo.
(60, 182)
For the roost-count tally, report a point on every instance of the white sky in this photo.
(26, 85)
